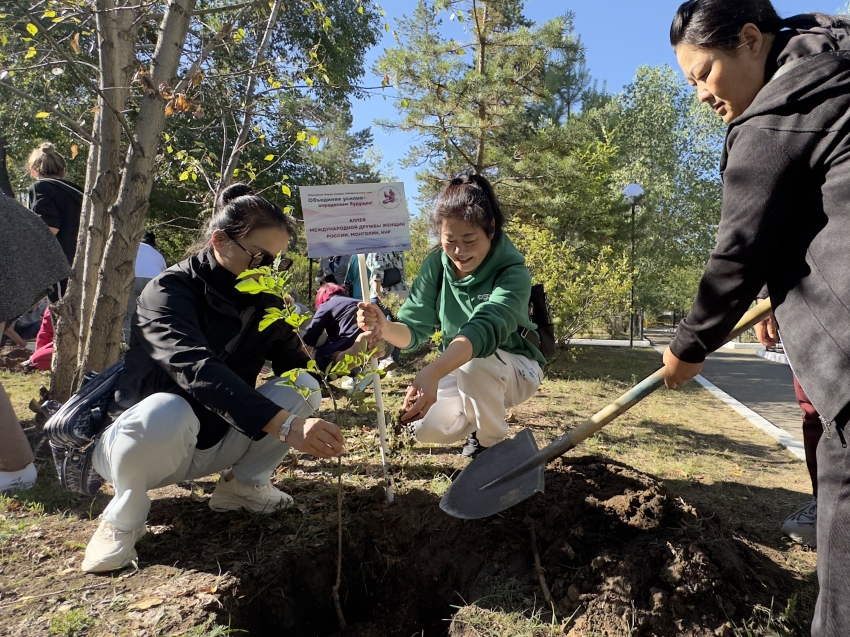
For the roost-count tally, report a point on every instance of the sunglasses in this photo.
(264, 259)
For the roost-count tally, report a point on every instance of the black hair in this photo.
(149, 238)
(470, 198)
(717, 24)
(239, 211)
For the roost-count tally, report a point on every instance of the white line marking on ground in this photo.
(780, 435)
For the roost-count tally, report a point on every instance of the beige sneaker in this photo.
(233, 495)
(110, 549)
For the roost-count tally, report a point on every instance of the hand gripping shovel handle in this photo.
(564, 443)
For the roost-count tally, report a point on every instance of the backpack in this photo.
(541, 315)
(74, 429)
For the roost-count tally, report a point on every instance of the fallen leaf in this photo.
(75, 43)
(145, 603)
(75, 150)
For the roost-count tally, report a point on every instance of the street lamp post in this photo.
(633, 194)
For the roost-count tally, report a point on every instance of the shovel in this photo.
(511, 471)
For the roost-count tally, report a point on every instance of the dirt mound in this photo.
(620, 555)
(11, 358)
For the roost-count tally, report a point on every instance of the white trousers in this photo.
(476, 396)
(152, 445)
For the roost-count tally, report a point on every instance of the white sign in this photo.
(355, 219)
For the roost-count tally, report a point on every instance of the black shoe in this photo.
(472, 447)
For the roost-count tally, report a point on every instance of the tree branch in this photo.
(250, 99)
(213, 10)
(74, 126)
(85, 80)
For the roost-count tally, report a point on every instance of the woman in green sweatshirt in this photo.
(475, 288)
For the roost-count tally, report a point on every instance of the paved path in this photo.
(764, 386)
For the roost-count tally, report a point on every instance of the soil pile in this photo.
(620, 555)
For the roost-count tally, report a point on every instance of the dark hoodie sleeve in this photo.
(167, 317)
(760, 194)
(42, 204)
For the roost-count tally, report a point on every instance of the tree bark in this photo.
(482, 107)
(117, 60)
(115, 47)
(127, 214)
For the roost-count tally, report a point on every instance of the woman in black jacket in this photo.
(186, 398)
(783, 86)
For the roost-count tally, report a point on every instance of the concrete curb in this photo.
(736, 345)
(780, 435)
(774, 357)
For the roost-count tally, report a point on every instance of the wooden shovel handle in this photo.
(637, 393)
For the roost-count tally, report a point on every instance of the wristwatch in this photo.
(283, 432)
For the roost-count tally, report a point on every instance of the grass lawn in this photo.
(709, 472)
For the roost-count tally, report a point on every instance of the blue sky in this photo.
(619, 36)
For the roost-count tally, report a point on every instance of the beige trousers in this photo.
(476, 396)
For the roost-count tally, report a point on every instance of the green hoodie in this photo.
(488, 306)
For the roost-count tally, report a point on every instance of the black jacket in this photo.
(59, 203)
(785, 218)
(184, 320)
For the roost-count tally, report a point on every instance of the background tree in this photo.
(189, 65)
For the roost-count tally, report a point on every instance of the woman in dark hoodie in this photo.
(783, 86)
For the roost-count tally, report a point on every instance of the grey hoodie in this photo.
(785, 218)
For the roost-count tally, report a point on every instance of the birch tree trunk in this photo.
(117, 60)
(128, 211)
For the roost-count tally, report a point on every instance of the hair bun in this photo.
(47, 148)
(234, 191)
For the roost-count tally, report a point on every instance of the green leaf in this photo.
(184, 175)
(42, 115)
(49, 14)
(301, 136)
(286, 190)
(32, 29)
(360, 9)
(314, 141)
(250, 286)
(308, 81)
(268, 157)
(386, 27)
(287, 210)
(266, 322)
(404, 103)
(169, 149)
(30, 53)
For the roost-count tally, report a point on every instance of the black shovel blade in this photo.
(470, 497)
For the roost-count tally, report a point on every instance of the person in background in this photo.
(57, 201)
(801, 526)
(333, 269)
(149, 264)
(31, 262)
(336, 316)
(187, 405)
(783, 87)
(476, 288)
(387, 276)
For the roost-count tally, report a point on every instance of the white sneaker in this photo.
(393, 373)
(110, 549)
(17, 480)
(233, 495)
(801, 527)
(387, 364)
